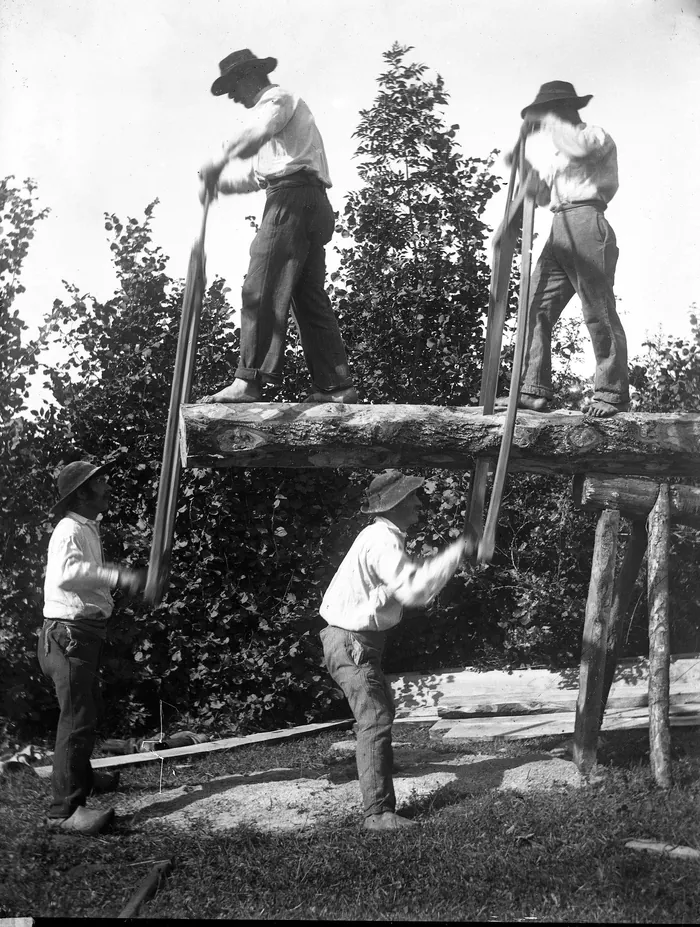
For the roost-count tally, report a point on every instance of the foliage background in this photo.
(234, 645)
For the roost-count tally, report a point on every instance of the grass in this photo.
(495, 856)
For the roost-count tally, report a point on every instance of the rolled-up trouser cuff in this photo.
(344, 384)
(613, 398)
(258, 376)
(540, 391)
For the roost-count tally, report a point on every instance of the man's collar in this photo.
(390, 524)
(262, 93)
(81, 519)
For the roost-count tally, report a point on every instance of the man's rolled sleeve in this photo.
(238, 177)
(579, 141)
(412, 583)
(267, 118)
(77, 573)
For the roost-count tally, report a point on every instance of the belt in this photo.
(597, 204)
(297, 179)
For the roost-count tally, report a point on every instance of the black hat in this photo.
(76, 474)
(238, 63)
(558, 91)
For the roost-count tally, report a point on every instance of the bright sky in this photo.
(107, 106)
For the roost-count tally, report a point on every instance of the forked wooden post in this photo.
(659, 505)
(659, 649)
(595, 638)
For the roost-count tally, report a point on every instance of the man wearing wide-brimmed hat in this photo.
(365, 598)
(279, 149)
(77, 607)
(577, 164)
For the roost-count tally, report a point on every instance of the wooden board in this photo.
(532, 726)
(230, 743)
(292, 435)
(417, 691)
(458, 706)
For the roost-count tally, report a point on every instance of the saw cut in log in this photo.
(379, 436)
(635, 498)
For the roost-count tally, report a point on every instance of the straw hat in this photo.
(388, 489)
(76, 474)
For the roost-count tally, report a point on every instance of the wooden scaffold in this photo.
(611, 461)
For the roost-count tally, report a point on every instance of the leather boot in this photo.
(387, 821)
(83, 821)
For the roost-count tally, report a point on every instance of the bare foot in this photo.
(598, 408)
(534, 403)
(238, 391)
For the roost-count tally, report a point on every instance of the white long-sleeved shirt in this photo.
(78, 582)
(377, 578)
(576, 163)
(290, 140)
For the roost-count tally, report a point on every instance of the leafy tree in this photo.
(18, 216)
(22, 460)
(668, 380)
(412, 285)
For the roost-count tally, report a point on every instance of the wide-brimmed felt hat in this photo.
(76, 474)
(238, 63)
(388, 489)
(558, 91)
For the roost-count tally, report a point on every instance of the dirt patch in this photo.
(294, 799)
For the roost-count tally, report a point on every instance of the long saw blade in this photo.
(166, 507)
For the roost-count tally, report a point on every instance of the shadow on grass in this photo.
(471, 779)
(468, 779)
(196, 793)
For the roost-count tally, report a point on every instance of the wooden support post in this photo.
(659, 647)
(595, 635)
(621, 597)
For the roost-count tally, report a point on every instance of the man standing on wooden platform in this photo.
(365, 598)
(577, 164)
(77, 606)
(279, 149)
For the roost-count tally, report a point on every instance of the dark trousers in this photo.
(70, 658)
(579, 256)
(353, 658)
(288, 267)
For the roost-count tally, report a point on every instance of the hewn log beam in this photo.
(635, 497)
(378, 436)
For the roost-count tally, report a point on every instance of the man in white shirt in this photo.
(365, 598)
(279, 149)
(577, 164)
(77, 607)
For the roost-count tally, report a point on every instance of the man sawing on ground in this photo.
(577, 164)
(279, 149)
(77, 607)
(365, 598)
